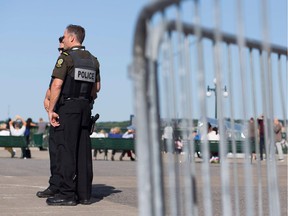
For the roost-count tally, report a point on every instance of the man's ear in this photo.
(72, 38)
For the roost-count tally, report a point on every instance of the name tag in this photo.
(85, 75)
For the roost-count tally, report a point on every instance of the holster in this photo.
(93, 122)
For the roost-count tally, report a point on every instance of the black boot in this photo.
(46, 193)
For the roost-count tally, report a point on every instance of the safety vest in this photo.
(80, 80)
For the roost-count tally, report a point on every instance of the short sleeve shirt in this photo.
(17, 132)
(65, 64)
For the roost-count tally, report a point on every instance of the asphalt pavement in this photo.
(114, 186)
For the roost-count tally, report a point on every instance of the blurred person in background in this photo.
(129, 134)
(17, 128)
(167, 138)
(4, 131)
(27, 133)
(278, 138)
(42, 126)
(261, 134)
(101, 134)
(114, 133)
(251, 135)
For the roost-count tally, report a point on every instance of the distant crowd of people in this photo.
(115, 132)
(19, 127)
(174, 143)
(170, 142)
(256, 134)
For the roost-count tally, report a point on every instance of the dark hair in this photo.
(215, 129)
(79, 31)
(209, 125)
(28, 123)
(7, 123)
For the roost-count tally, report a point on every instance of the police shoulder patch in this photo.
(59, 63)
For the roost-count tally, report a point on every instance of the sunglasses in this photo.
(61, 39)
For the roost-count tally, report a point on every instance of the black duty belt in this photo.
(75, 99)
(63, 99)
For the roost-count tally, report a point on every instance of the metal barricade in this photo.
(172, 62)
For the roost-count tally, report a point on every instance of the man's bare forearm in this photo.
(54, 93)
(96, 88)
(47, 99)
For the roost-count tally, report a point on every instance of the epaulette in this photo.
(65, 53)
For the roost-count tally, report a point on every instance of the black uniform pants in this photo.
(54, 181)
(73, 157)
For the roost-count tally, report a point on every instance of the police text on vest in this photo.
(85, 75)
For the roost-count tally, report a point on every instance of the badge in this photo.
(59, 63)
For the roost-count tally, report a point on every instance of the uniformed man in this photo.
(54, 180)
(76, 81)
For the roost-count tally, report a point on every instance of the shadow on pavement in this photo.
(100, 191)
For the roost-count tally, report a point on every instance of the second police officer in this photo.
(54, 180)
(76, 81)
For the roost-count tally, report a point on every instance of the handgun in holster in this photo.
(93, 122)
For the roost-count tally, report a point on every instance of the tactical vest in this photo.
(79, 81)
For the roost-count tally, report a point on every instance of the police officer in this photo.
(54, 180)
(76, 81)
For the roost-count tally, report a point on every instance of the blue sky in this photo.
(29, 35)
(29, 51)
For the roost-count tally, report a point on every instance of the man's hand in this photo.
(53, 119)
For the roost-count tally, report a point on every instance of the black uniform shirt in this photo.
(64, 63)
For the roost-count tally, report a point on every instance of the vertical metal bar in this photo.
(154, 116)
(272, 163)
(248, 173)
(189, 179)
(184, 101)
(267, 124)
(171, 166)
(206, 178)
(259, 169)
(224, 168)
(273, 209)
(181, 95)
(155, 140)
(247, 168)
(205, 168)
(168, 79)
(264, 106)
(235, 166)
(143, 168)
(282, 90)
(166, 84)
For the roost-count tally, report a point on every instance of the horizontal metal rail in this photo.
(227, 38)
(146, 13)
